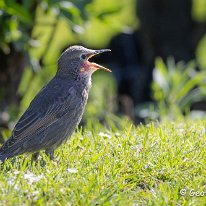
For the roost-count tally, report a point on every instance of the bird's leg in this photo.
(35, 157)
(50, 153)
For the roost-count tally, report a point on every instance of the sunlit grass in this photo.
(128, 165)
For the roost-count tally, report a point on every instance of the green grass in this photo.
(143, 165)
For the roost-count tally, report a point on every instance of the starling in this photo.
(57, 109)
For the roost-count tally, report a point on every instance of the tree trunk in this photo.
(12, 65)
(11, 71)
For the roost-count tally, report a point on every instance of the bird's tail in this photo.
(4, 154)
(9, 152)
(2, 158)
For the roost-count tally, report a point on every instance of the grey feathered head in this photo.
(74, 61)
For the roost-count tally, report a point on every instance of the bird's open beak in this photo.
(94, 65)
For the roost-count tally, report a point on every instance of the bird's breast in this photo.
(85, 94)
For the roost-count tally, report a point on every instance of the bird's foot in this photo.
(35, 157)
(50, 153)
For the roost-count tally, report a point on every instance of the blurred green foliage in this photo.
(199, 10)
(199, 15)
(42, 29)
(176, 87)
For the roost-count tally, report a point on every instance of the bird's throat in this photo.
(86, 68)
(90, 67)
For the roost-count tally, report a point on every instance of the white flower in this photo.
(12, 181)
(16, 172)
(117, 134)
(32, 177)
(138, 149)
(101, 134)
(72, 170)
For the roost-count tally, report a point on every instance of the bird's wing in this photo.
(46, 108)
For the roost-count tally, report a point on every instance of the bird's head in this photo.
(74, 61)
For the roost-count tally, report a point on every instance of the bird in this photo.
(57, 109)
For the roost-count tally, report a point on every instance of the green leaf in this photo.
(15, 9)
(113, 11)
(197, 94)
(195, 81)
(160, 65)
(70, 11)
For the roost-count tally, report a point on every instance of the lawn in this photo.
(115, 165)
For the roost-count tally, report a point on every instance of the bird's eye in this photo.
(83, 56)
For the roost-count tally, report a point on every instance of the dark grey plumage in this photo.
(57, 109)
